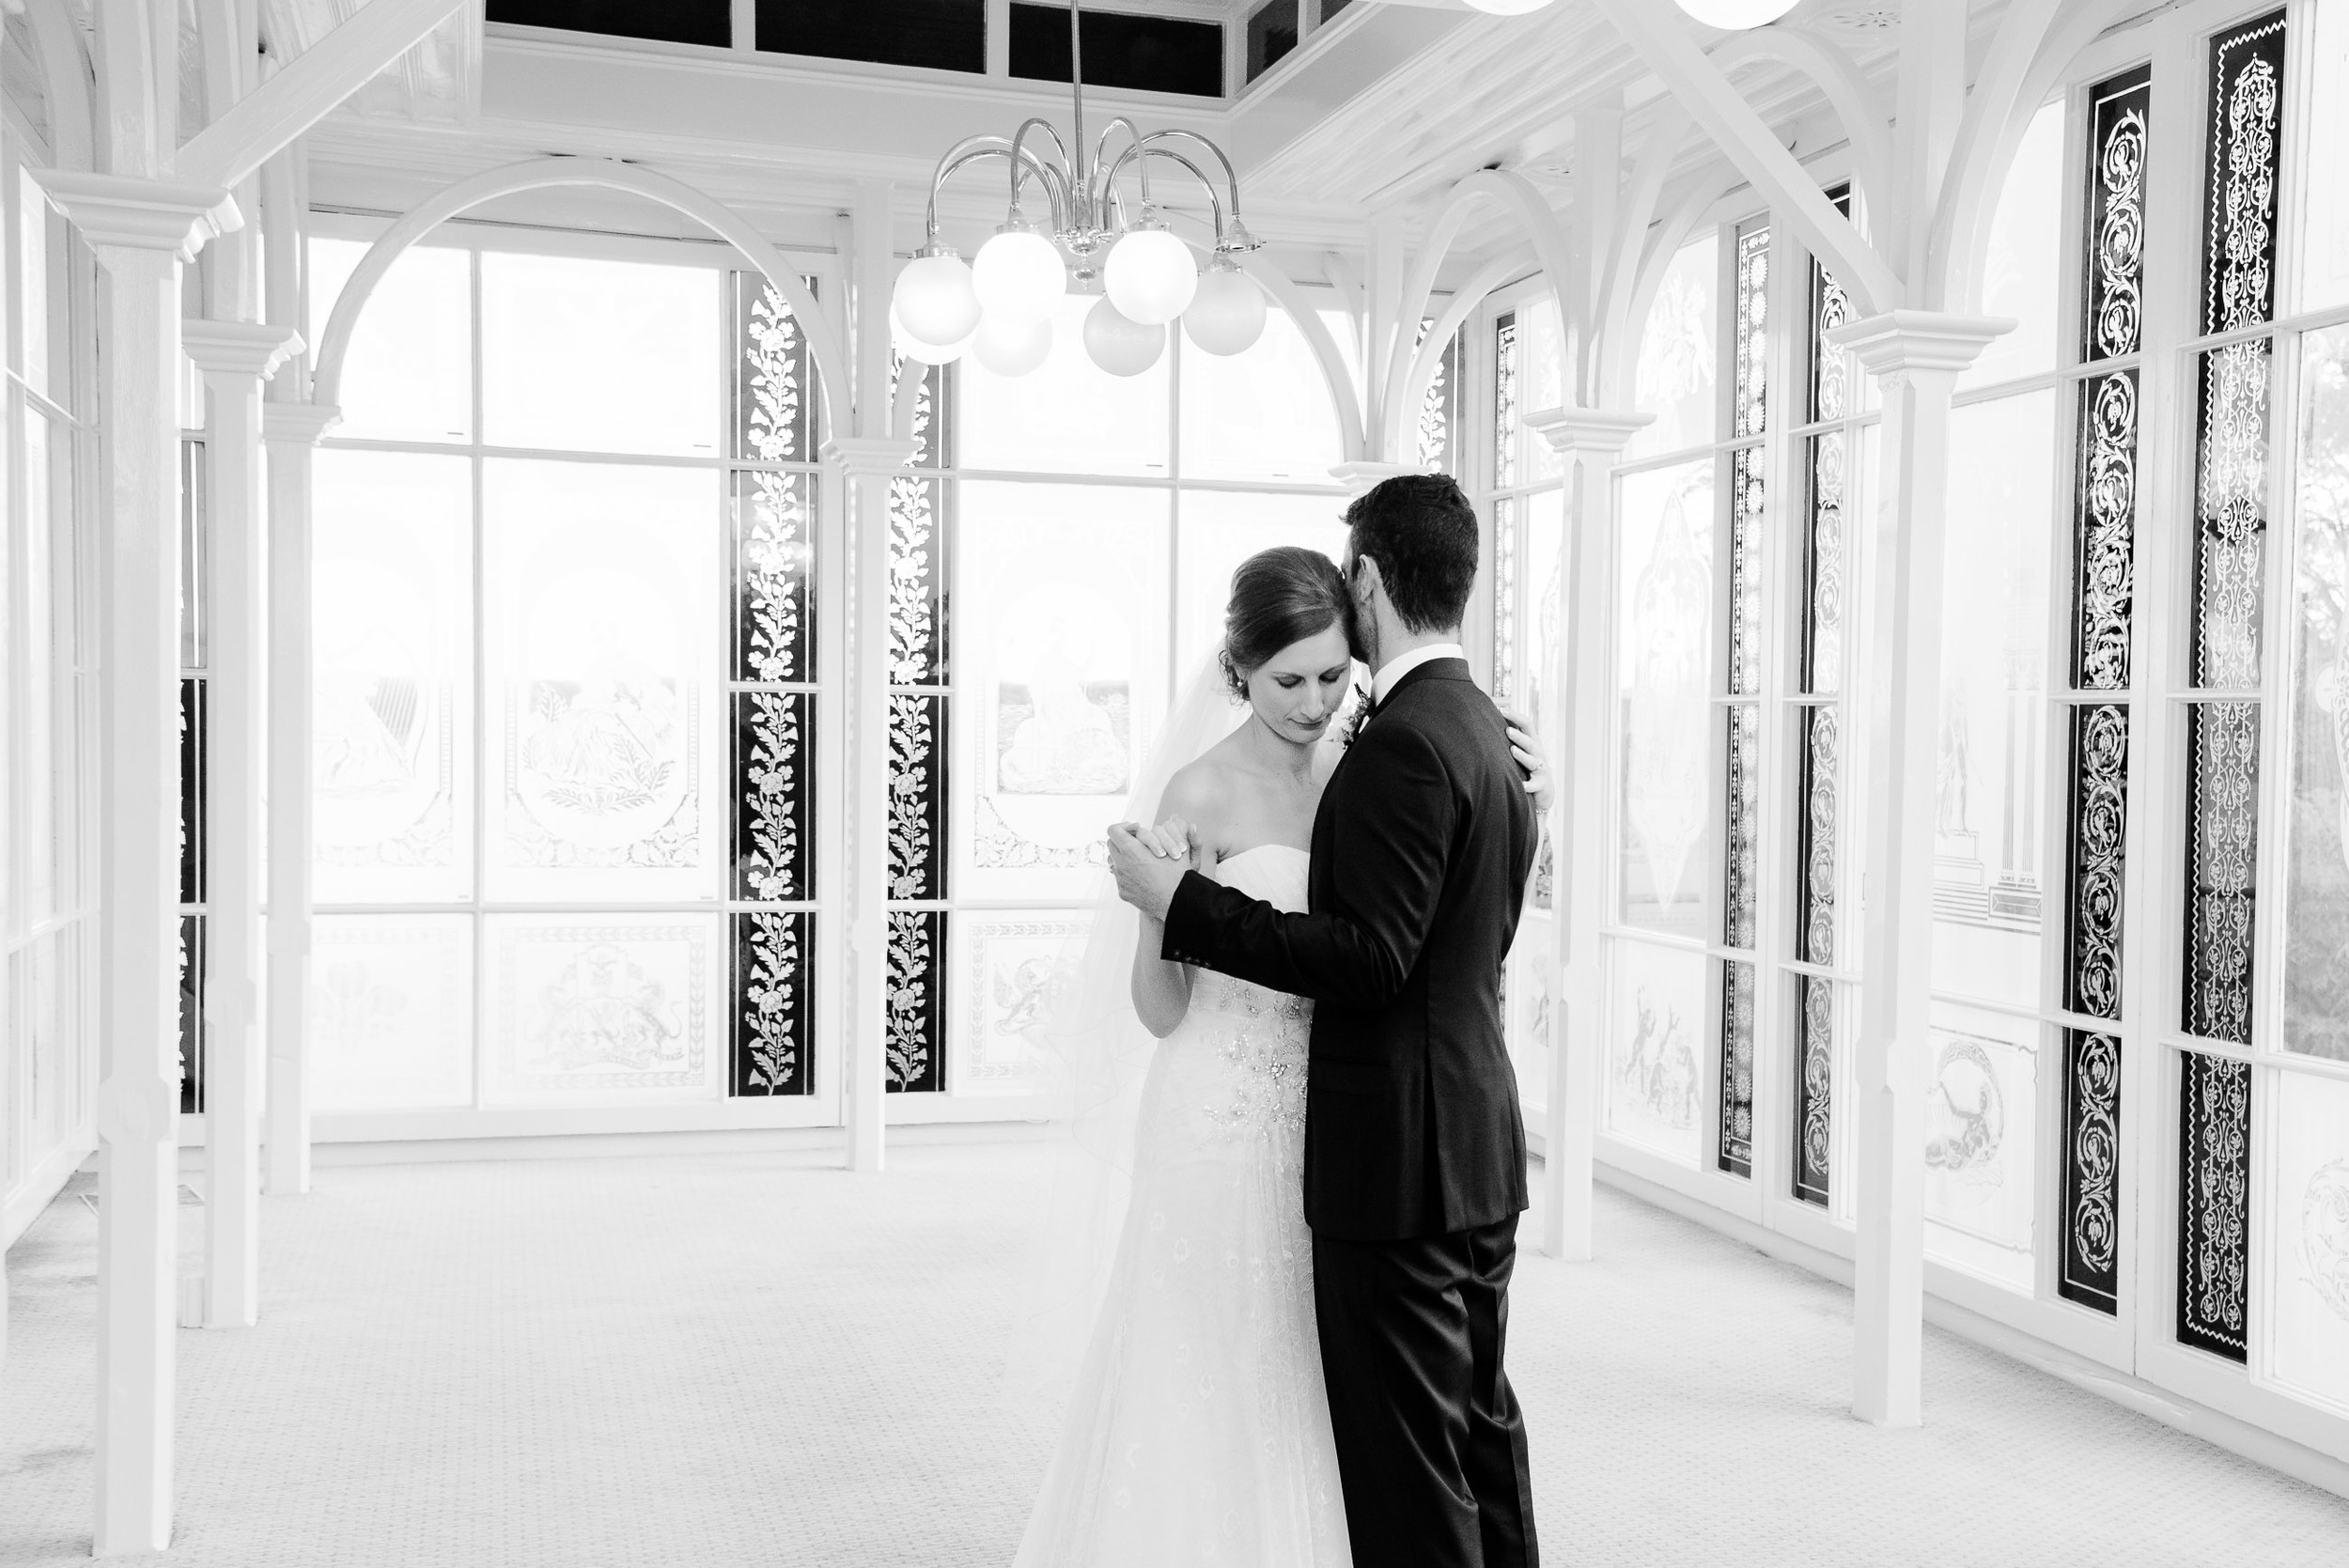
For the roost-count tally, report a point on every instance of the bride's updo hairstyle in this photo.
(1279, 596)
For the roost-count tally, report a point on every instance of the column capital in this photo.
(118, 212)
(1364, 473)
(869, 456)
(239, 348)
(1905, 340)
(1589, 432)
(298, 424)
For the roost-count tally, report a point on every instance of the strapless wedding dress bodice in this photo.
(1199, 1429)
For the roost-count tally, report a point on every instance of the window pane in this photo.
(1989, 833)
(1674, 378)
(2324, 238)
(391, 1002)
(391, 720)
(1544, 601)
(1067, 416)
(1656, 1052)
(604, 1009)
(1001, 985)
(1061, 649)
(2311, 1255)
(604, 665)
(1542, 370)
(1263, 414)
(1979, 1139)
(48, 745)
(2019, 271)
(407, 372)
(1664, 661)
(32, 218)
(600, 356)
(1220, 530)
(2316, 916)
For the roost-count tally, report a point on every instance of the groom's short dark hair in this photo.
(1422, 532)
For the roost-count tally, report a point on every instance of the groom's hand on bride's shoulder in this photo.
(1534, 762)
(1146, 873)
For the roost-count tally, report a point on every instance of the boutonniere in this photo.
(1362, 716)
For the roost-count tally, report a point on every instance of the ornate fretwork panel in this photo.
(2244, 141)
(1830, 308)
(1751, 415)
(2214, 1204)
(2090, 1269)
(2222, 847)
(1439, 410)
(1814, 1087)
(192, 1029)
(2114, 278)
(917, 798)
(774, 778)
(1824, 567)
(1741, 844)
(1738, 1021)
(1815, 902)
(774, 573)
(2100, 801)
(1748, 499)
(772, 1009)
(774, 399)
(192, 736)
(2231, 514)
(1505, 400)
(2105, 527)
(918, 529)
(1508, 514)
(916, 992)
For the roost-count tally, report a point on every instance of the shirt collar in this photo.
(1390, 673)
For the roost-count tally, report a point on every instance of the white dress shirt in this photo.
(1390, 673)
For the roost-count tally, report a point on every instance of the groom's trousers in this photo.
(1431, 1445)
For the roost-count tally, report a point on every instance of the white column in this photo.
(867, 463)
(141, 231)
(1591, 441)
(1916, 356)
(292, 432)
(235, 358)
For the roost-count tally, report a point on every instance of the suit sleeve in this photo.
(1391, 848)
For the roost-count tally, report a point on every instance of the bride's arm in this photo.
(1161, 988)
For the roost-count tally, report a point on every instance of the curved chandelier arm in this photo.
(1100, 160)
(1141, 150)
(971, 148)
(1022, 158)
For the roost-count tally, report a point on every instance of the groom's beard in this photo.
(1362, 640)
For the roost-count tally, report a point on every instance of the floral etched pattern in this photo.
(1752, 346)
(772, 796)
(917, 797)
(2116, 214)
(1736, 1151)
(1439, 409)
(1507, 512)
(1814, 1089)
(2100, 783)
(1816, 907)
(2223, 831)
(770, 1003)
(2090, 1271)
(1505, 400)
(915, 1014)
(2214, 1204)
(2106, 520)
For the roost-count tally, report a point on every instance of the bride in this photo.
(1198, 1428)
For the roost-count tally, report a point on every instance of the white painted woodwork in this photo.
(141, 232)
(290, 432)
(1360, 477)
(1592, 442)
(234, 357)
(1915, 357)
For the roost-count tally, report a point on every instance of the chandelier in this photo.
(999, 305)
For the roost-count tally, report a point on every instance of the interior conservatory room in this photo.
(962, 781)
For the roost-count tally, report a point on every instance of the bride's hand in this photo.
(1531, 758)
(1171, 840)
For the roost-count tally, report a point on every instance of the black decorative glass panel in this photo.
(919, 526)
(916, 1016)
(1741, 851)
(1823, 567)
(1272, 34)
(2100, 810)
(1506, 525)
(2090, 1270)
(774, 399)
(2231, 514)
(1751, 415)
(1150, 53)
(774, 787)
(1505, 400)
(943, 34)
(196, 543)
(2104, 532)
(2214, 1204)
(1439, 412)
(1814, 1087)
(774, 575)
(772, 1006)
(1830, 308)
(1816, 837)
(2244, 141)
(933, 416)
(2113, 319)
(191, 1031)
(1748, 499)
(1736, 1151)
(708, 23)
(192, 729)
(2222, 833)
(917, 798)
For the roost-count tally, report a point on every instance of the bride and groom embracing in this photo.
(1295, 1360)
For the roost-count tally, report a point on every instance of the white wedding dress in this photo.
(1199, 1430)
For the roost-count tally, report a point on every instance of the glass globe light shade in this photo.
(1506, 8)
(1733, 16)
(1018, 275)
(1118, 344)
(926, 353)
(1226, 316)
(1011, 347)
(933, 301)
(1150, 277)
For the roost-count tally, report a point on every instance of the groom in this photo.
(1414, 1148)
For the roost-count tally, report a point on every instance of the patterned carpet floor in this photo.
(740, 1359)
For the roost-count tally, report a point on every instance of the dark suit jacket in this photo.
(1420, 857)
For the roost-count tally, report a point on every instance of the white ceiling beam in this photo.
(1750, 144)
(264, 121)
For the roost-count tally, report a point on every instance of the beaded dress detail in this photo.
(1199, 1430)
